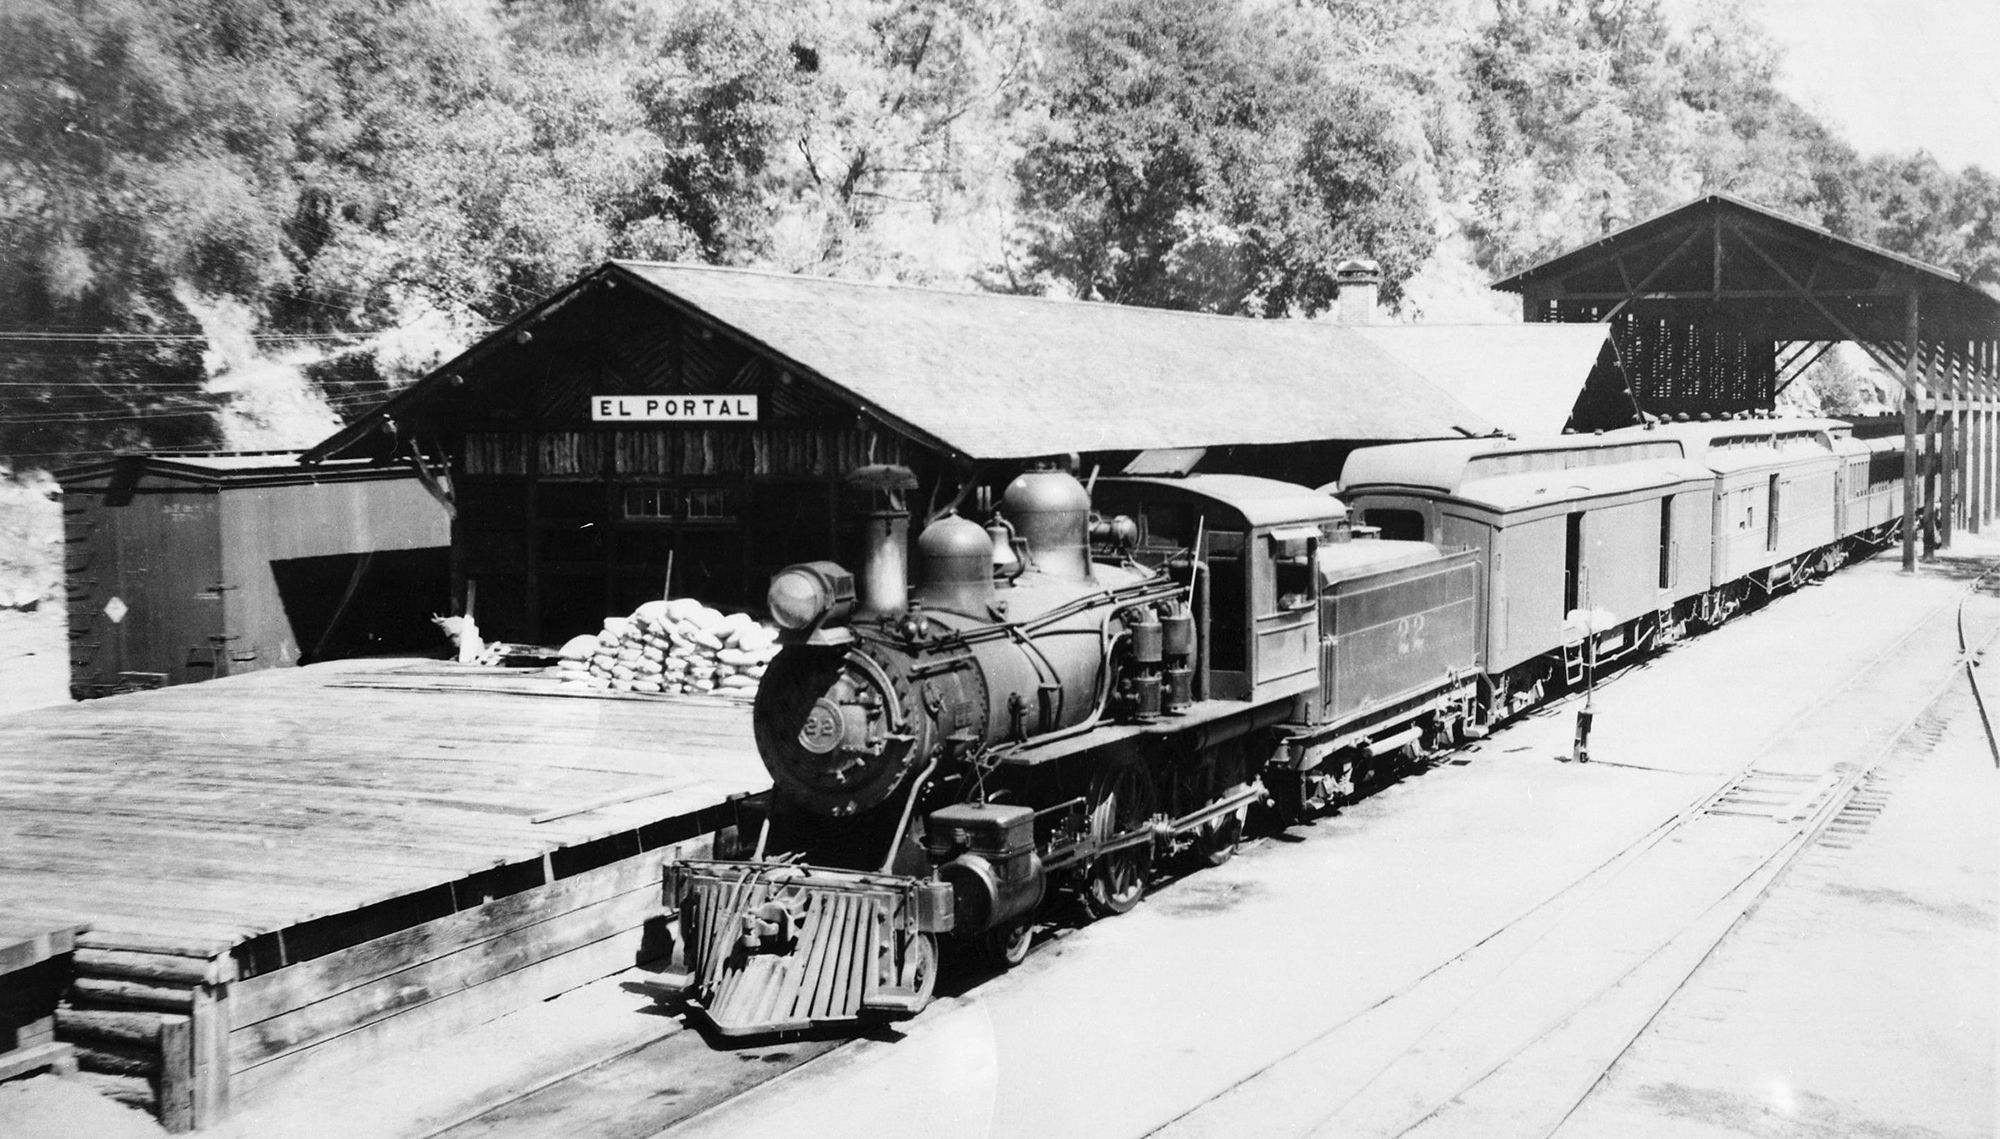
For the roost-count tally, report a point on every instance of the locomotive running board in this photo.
(778, 947)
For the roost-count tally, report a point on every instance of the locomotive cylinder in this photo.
(992, 865)
(1051, 512)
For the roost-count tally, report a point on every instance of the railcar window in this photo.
(1884, 467)
(1666, 541)
(1396, 525)
(1295, 582)
(1771, 518)
(1573, 565)
(1228, 601)
(1166, 525)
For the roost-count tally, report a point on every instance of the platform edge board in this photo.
(465, 969)
(18, 952)
(336, 1057)
(295, 986)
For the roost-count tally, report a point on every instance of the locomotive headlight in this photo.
(811, 593)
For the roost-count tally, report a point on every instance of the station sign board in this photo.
(732, 408)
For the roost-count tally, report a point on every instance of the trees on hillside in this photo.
(334, 168)
(1208, 155)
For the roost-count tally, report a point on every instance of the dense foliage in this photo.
(317, 173)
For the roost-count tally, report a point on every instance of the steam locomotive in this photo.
(1093, 680)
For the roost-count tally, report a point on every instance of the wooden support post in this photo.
(1968, 479)
(175, 1100)
(1910, 435)
(209, 1044)
(1990, 352)
(1946, 402)
(1989, 370)
(1974, 450)
(1929, 501)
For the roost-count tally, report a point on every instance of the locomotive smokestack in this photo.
(882, 588)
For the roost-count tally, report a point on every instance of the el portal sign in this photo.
(682, 408)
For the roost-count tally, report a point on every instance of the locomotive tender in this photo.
(1094, 680)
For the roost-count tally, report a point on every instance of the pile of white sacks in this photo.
(672, 646)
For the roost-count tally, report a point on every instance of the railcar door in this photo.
(1285, 607)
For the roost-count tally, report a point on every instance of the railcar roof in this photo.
(260, 468)
(1339, 561)
(1733, 445)
(1448, 465)
(1260, 501)
(1537, 488)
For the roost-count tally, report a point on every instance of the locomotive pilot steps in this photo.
(1086, 683)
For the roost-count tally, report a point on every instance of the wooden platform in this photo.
(274, 863)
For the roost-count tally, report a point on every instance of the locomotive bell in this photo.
(955, 567)
(1051, 512)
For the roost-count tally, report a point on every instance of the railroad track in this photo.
(1513, 1034)
(1458, 1050)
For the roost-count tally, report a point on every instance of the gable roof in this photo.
(1524, 378)
(991, 376)
(997, 377)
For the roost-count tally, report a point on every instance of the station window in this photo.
(690, 504)
(708, 504)
(649, 502)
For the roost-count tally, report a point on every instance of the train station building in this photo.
(676, 429)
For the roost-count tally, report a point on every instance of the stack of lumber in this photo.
(676, 646)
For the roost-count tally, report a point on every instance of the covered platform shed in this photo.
(1717, 305)
(668, 428)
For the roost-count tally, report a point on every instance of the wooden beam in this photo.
(1649, 278)
(1727, 294)
(1715, 259)
(1825, 346)
(1838, 325)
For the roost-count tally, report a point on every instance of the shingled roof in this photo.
(991, 376)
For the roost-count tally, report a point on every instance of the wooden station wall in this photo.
(563, 520)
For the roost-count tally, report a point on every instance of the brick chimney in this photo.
(1359, 282)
